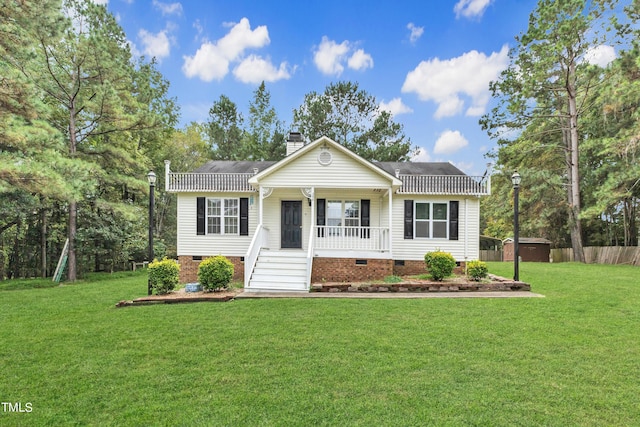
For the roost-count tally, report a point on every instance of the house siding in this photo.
(463, 249)
(343, 172)
(191, 244)
(272, 216)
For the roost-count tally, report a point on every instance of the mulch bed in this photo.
(181, 296)
(454, 284)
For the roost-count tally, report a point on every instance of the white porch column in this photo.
(391, 222)
(260, 197)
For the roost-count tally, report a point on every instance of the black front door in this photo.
(291, 235)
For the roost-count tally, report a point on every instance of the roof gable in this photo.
(340, 167)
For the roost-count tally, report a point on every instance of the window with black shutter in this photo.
(201, 216)
(244, 216)
(365, 218)
(408, 219)
(453, 219)
(321, 215)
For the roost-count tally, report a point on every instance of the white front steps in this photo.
(279, 271)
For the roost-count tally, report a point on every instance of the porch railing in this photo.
(209, 182)
(351, 238)
(260, 240)
(445, 184)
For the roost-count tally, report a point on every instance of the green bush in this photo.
(215, 273)
(477, 270)
(439, 264)
(164, 275)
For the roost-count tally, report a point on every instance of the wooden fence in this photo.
(490, 255)
(629, 255)
(601, 255)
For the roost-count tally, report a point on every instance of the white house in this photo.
(323, 213)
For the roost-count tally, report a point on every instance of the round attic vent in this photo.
(325, 158)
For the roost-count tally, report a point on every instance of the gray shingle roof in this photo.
(419, 168)
(406, 168)
(230, 166)
(416, 177)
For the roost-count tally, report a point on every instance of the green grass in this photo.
(572, 358)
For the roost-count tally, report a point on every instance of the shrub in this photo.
(164, 275)
(477, 270)
(440, 264)
(393, 279)
(215, 273)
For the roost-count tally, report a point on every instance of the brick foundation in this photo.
(189, 268)
(346, 269)
(411, 267)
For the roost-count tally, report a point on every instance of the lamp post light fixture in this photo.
(515, 180)
(151, 176)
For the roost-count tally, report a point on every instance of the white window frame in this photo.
(225, 219)
(431, 220)
(345, 221)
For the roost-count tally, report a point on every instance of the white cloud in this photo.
(105, 2)
(445, 81)
(330, 57)
(155, 45)
(199, 29)
(360, 60)
(211, 61)
(466, 167)
(600, 55)
(168, 8)
(416, 32)
(471, 8)
(422, 155)
(395, 107)
(256, 69)
(449, 142)
(135, 53)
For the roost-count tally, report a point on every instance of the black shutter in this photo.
(408, 219)
(201, 228)
(244, 216)
(453, 220)
(321, 215)
(365, 218)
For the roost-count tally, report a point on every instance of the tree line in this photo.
(82, 122)
(569, 127)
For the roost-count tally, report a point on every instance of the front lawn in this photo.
(571, 358)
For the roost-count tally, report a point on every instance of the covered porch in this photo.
(309, 222)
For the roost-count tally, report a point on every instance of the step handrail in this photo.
(259, 240)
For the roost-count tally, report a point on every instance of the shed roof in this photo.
(529, 240)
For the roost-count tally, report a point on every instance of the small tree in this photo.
(164, 275)
(215, 273)
(439, 264)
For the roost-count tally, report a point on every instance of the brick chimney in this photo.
(294, 142)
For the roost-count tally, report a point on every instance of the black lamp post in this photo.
(151, 176)
(515, 179)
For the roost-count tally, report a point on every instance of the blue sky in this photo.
(428, 61)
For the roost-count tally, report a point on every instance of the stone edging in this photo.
(496, 284)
